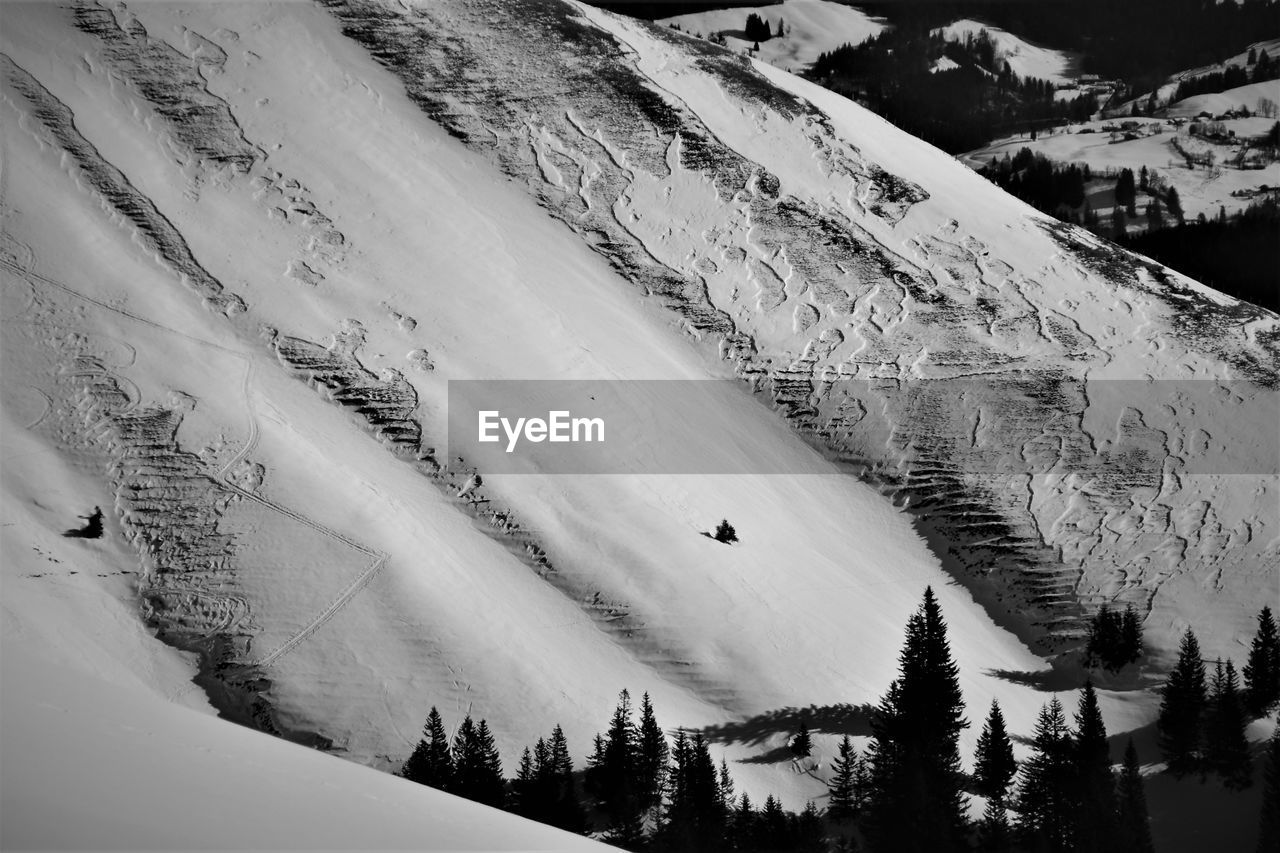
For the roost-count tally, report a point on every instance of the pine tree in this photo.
(431, 762)
(1095, 785)
(1046, 805)
(772, 825)
(524, 788)
(611, 774)
(724, 530)
(1130, 635)
(1262, 669)
(651, 760)
(477, 768)
(1134, 827)
(1226, 748)
(1125, 194)
(843, 802)
(916, 799)
(695, 818)
(1182, 709)
(1119, 223)
(565, 808)
(802, 744)
(1269, 820)
(993, 832)
(1174, 203)
(994, 765)
(1155, 215)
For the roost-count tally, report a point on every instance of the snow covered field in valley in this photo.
(813, 27)
(247, 246)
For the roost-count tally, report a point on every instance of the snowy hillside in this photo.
(813, 27)
(247, 247)
(1026, 59)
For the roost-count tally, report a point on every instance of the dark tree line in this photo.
(1237, 255)
(1262, 68)
(896, 74)
(907, 791)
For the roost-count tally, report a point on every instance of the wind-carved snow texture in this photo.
(201, 127)
(201, 123)
(52, 122)
(1002, 474)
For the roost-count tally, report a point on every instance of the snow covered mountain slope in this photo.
(150, 775)
(247, 246)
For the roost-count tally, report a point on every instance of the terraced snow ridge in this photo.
(741, 207)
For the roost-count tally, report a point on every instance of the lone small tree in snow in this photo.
(725, 532)
(802, 744)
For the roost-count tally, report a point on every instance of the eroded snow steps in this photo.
(385, 405)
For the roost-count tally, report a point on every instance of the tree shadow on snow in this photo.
(842, 719)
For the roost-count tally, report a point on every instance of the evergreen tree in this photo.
(993, 832)
(802, 744)
(744, 824)
(1134, 830)
(524, 788)
(1262, 669)
(771, 825)
(1095, 786)
(843, 802)
(651, 761)
(1269, 820)
(994, 765)
(1130, 635)
(1046, 801)
(1155, 214)
(1119, 223)
(1182, 709)
(695, 818)
(476, 765)
(1125, 193)
(916, 799)
(611, 772)
(431, 762)
(1174, 203)
(1226, 748)
(565, 807)
(724, 530)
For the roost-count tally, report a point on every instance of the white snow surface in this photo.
(372, 596)
(1026, 59)
(814, 27)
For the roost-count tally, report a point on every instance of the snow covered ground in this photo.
(1026, 59)
(1217, 103)
(1201, 190)
(813, 27)
(170, 274)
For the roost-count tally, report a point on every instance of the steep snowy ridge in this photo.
(247, 246)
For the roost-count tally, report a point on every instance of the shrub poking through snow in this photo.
(725, 532)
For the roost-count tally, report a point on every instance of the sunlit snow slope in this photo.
(247, 245)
